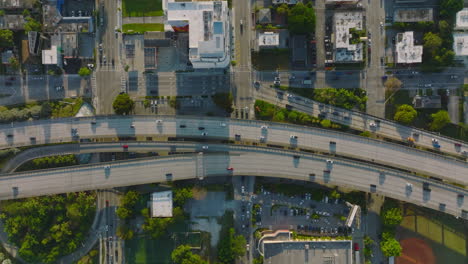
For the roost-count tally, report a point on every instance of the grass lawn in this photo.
(142, 28)
(271, 60)
(141, 8)
(67, 107)
(446, 235)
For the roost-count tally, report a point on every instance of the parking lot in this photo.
(300, 213)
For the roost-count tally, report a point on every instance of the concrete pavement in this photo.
(375, 151)
(251, 161)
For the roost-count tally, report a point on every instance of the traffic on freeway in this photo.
(235, 160)
(270, 134)
(362, 121)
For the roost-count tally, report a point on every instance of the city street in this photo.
(110, 76)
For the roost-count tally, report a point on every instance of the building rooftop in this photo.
(460, 44)
(344, 50)
(289, 2)
(406, 51)
(427, 101)
(462, 19)
(270, 39)
(302, 252)
(161, 204)
(6, 56)
(264, 16)
(12, 22)
(70, 45)
(413, 14)
(16, 4)
(50, 56)
(341, 1)
(208, 27)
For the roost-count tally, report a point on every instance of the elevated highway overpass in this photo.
(276, 135)
(245, 160)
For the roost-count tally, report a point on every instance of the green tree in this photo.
(405, 114)
(224, 101)
(282, 9)
(32, 25)
(392, 217)
(6, 38)
(2, 12)
(84, 72)
(231, 247)
(439, 120)
(301, 19)
(390, 247)
(292, 116)
(123, 104)
(183, 255)
(124, 232)
(326, 123)
(181, 195)
(14, 63)
(279, 117)
(26, 13)
(432, 42)
(448, 8)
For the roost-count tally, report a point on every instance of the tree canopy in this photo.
(224, 101)
(183, 255)
(449, 8)
(6, 38)
(392, 217)
(432, 42)
(301, 19)
(405, 114)
(439, 120)
(84, 72)
(156, 226)
(181, 195)
(123, 104)
(32, 25)
(47, 227)
(127, 209)
(231, 247)
(390, 247)
(345, 98)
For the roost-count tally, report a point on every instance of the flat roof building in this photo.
(12, 22)
(344, 50)
(268, 39)
(460, 44)
(278, 248)
(50, 57)
(433, 101)
(208, 26)
(462, 19)
(406, 51)
(413, 15)
(161, 204)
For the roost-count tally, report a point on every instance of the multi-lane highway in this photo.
(310, 139)
(360, 121)
(244, 160)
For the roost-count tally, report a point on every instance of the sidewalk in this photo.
(142, 20)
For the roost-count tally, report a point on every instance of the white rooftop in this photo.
(460, 44)
(50, 56)
(413, 14)
(406, 51)
(462, 19)
(344, 50)
(161, 204)
(208, 27)
(268, 39)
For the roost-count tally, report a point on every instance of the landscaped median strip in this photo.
(142, 28)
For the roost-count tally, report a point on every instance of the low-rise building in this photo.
(51, 56)
(279, 247)
(289, 2)
(433, 101)
(405, 50)
(344, 49)
(6, 56)
(461, 22)
(342, 2)
(16, 4)
(413, 15)
(12, 22)
(209, 31)
(460, 44)
(264, 16)
(268, 39)
(161, 204)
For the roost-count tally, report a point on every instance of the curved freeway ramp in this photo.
(248, 161)
(276, 135)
